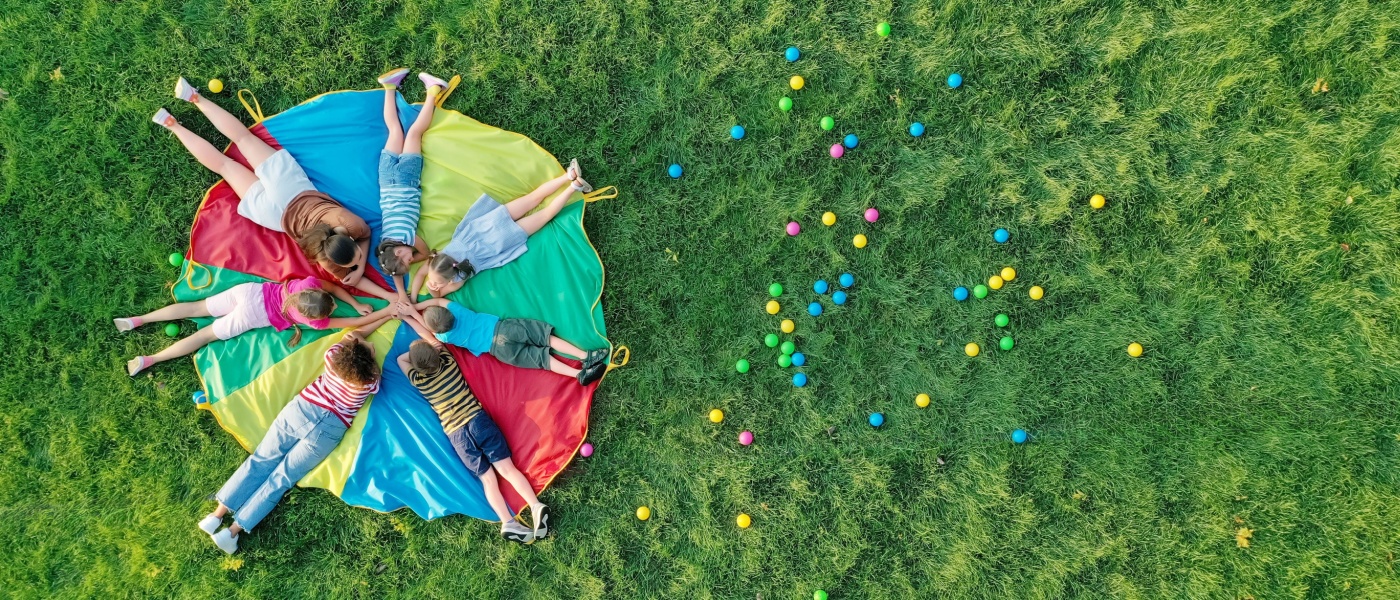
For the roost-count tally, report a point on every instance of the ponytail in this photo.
(321, 241)
(449, 268)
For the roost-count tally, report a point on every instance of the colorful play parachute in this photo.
(395, 455)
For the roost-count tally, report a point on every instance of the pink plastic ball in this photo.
(587, 450)
(793, 228)
(872, 215)
(837, 150)
(746, 438)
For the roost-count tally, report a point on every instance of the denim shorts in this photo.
(479, 443)
(400, 169)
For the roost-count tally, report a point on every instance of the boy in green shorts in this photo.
(525, 343)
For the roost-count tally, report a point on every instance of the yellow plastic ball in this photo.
(797, 82)
(716, 415)
(1008, 274)
(995, 282)
(860, 240)
(921, 400)
(743, 521)
(787, 326)
(828, 218)
(1134, 349)
(773, 307)
(1096, 201)
(216, 86)
(1037, 292)
(643, 513)
(972, 349)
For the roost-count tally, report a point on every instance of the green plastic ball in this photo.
(775, 290)
(785, 104)
(1007, 343)
(771, 340)
(784, 361)
(176, 259)
(980, 291)
(788, 348)
(1003, 320)
(742, 366)
(883, 29)
(819, 595)
(828, 123)
(172, 329)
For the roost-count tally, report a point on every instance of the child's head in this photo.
(313, 304)
(394, 257)
(423, 357)
(322, 241)
(355, 362)
(443, 269)
(438, 319)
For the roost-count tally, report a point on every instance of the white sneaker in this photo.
(164, 119)
(185, 91)
(210, 524)
(225, 541)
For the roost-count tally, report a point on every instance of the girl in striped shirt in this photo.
(400, 175)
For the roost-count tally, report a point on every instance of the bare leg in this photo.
(391, 121)
(560, 346)
(254, 149)
(221, 511)
(183, 347)
(235, 529)
(534, 222)
(237, 175)
(519, 206)
(177, 311)
(559, 367)
(518, 481)
(494, 497)
(413, 144)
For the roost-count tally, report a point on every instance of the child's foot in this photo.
(591, 373)
(225, 541)
(127, 324)
(136, 365)
(210, 524)
(393, 78)
(164, 119)
(185, 91)
(516, 532)
(576, 174)
(596, 357)
(429, 82)
(541, 520)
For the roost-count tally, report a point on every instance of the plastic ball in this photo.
(771, 340)
(643, 513)
(814, 309)
(742, 366)
(737, 132)
(796, 82)
(980, 291)
(839, 297)
(820, 286)
(883, 29)
(784, 361)
(1019, 436)
(955, 81)
(872, 215)
(1002, 320)
(746, 437)
(743, 520)
(216, 86)
(799, 379)
(847, 280)
(828, 218)
(995, 282)
(1134, 349)
(1001, 236)
(960, 293)
(788, 348)
(172, 329)
(794, 228)
(716, 416)
(860, 241)
(198, 397)
(176, 259)
(850, 140)
(819, 595)
(972, 349)
(775, 290)
(773, 307)
(798, 359)
(916, 129)
(792, 54)
(877, 419)
(828, 123)
(921, 400)
(674, 171)
(586, 450)
(1007, 343)
(837, 151)
(787, 326)
(1096, 201)
(1037, 292)
(785, 104)
(1008, 273)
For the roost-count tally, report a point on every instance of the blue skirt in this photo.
(487, 237)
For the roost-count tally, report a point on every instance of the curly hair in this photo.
(355, 363)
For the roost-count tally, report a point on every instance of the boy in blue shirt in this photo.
(525, 343)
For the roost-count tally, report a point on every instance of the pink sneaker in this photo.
(430, 81)
(166, 120)
(392, 78)
(185, 91)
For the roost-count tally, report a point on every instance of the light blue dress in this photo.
(487, 237)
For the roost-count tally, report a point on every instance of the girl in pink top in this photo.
(307, 301)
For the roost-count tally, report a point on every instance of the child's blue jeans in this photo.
(301, 436)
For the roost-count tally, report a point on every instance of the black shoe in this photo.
(542, 522)
(517, 533)
(599, 356)
(590, 374)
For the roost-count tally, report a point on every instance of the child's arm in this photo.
(358, 275)
(345, 297)
(404, 365)
(438, 302)
(418, 279)
(421, 252)
(373, 289)
(422, 331)
(342, 322)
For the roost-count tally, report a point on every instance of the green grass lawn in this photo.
(1250, 242)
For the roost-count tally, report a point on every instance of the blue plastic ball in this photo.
(799, 359)
(851, 140)
(916, 129)
(877, 419)
(737, 132)
(674, 171)
(814, 309)
(954, 80)
(839, 297)
(847, 280)
(1019, 436)
(960, 293)
(198, 397)
(799, 379)
(1001, 236)
(820, 286)
(792, 54)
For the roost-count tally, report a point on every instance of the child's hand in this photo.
(362, 308)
